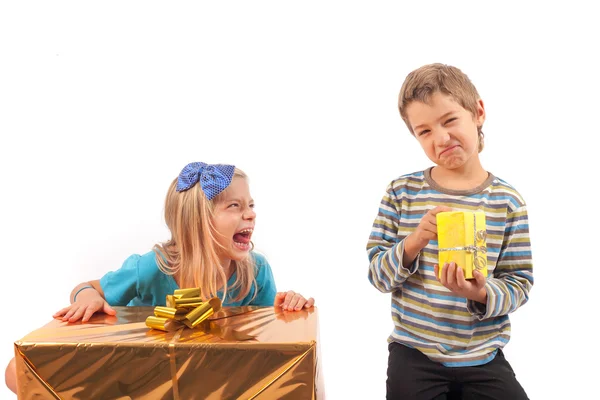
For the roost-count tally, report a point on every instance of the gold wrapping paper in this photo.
(183, 306)
(185, 293)
(238, 353)
(168, 312)
(462, 239)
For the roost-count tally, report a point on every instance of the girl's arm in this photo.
(10, 376)
(91, 285)
(86, 299)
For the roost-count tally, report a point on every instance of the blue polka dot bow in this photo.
(213, 178)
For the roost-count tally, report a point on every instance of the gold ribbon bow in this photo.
(184, 307)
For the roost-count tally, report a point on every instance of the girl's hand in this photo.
(453, 278)
(292, 301)
(88, 302)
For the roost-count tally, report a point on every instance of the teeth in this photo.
(249, 230)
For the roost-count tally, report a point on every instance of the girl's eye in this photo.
(233, 205)
(423, 132)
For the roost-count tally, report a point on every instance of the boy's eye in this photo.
(423, 132)
(251, 205)
(450, 120)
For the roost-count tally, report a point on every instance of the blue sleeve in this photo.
(121, 286)
(265, 283)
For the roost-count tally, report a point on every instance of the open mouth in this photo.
(241, 239)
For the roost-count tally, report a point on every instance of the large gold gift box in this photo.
(462, 239)
(239, 353)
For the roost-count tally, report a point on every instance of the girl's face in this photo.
(234, 219)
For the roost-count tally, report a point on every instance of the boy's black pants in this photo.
(411, 375)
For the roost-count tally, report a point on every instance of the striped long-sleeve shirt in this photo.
(450, 329)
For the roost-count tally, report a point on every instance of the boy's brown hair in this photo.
(423, 82)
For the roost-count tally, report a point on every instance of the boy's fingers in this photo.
(451, 276)
(479, 278)
(439, 209)
(444, 274)
(460, 278)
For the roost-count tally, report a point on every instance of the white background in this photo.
(102, 104)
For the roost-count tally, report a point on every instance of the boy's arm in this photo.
(512, 279)
(392, 260)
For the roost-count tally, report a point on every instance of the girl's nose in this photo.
(249, 214)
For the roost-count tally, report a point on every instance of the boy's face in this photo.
(445, 130)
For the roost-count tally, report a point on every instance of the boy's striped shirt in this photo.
(427, 316)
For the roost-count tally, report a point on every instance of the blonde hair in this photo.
(192, 251)
(423, 82)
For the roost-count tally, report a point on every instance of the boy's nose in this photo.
(442, 137)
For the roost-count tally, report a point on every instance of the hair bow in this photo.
(213, 178)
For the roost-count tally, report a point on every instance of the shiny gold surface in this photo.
(238, 353)
(184, 293)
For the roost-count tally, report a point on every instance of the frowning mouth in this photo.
(449, 149)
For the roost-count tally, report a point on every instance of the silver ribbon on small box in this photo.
(479, 261)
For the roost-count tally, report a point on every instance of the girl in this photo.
(210, 214)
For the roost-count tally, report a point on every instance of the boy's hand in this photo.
(88, 302)
(453, 278)
(425, 231)
(427, 228)
(292, 301)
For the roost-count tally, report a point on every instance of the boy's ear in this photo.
(480, 117)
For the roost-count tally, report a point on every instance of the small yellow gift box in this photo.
(462, 239)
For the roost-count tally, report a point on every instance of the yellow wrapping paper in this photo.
(238, 353)
(462, 239)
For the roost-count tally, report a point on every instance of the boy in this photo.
(449, 332)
